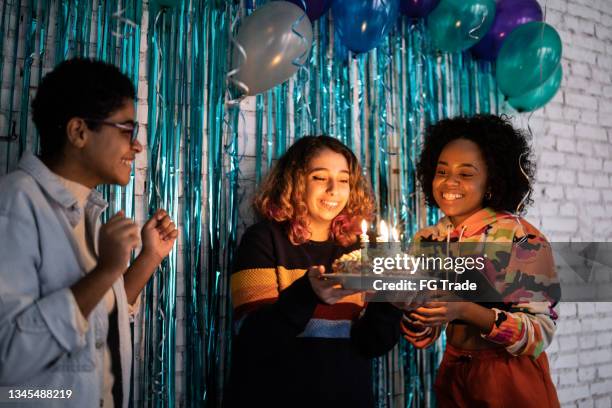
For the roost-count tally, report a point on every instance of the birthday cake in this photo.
(354, 270)
(350, 263)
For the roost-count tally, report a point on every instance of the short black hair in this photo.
(502, 146)
(78, 87)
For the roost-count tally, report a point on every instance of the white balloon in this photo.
(276, 39)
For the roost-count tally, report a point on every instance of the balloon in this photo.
(540, 96)
(456, 25)
(362, 24)
(314, 8)
(417, 8)
(271, 45)
(528, 57)
(509, 15)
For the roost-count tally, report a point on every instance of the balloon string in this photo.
(297, 22)
(521, 204)
(473, 30)
(229, 147)
(384, 28)
(387, 56)
(542, 39)
(118, 15)
(233, 105)
(302, 65)
(305, 83)
(160, 55)
(241, 85)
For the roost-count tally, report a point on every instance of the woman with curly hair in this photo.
(478, 171)
(300, 339)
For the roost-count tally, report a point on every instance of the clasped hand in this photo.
(120, 235)
(158, 236)
(436, 313)
(438, 309)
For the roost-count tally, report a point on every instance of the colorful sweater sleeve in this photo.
(260, 309)
(528, 327)
(418, 335)
(525, 332)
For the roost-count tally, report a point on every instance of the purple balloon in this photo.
(417, 8)
(509, 14)
(314, 8)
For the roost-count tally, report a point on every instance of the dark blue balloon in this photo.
(417, 8)
(314, 8)
(509, 14)
(362, 24)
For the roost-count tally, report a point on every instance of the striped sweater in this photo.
(289, 348)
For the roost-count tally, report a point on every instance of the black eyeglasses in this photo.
(127, 126)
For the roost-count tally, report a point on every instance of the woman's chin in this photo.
(448, 209)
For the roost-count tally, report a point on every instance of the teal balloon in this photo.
(540, 96)
(528, 57)
(456, 25)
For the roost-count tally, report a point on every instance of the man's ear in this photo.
(76, 132)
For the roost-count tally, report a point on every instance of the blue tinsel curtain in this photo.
(378, 103)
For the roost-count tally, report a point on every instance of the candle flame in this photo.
(384, 231)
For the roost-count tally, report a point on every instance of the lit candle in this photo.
(364, 239)
(384, 232)
(364, 232)
(395, 234)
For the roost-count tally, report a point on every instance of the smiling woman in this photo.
(317, 190)
(502, 151)
(460, 180)
(327, 191)
(297, 335)
(478, 171)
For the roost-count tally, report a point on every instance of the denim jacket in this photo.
(41, 345)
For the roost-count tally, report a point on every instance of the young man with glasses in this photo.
(66, 291)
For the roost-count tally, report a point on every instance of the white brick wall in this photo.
(573, 139)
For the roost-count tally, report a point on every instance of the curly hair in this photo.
(77, 87)
(282, 196)
(510, 169)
